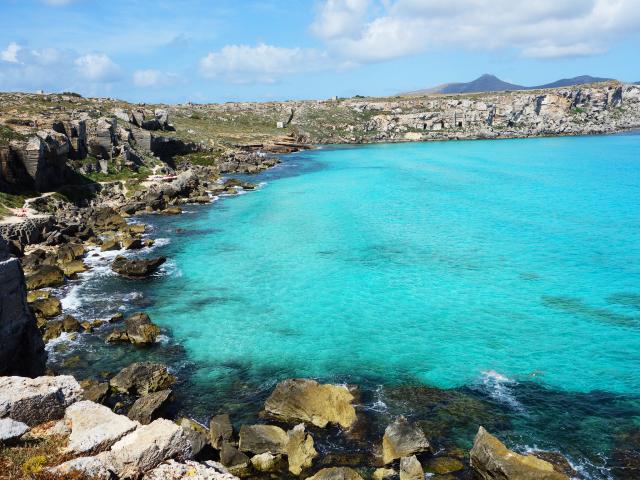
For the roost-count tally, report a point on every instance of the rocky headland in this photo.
(73, 172)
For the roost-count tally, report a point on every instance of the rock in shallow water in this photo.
(300, 449)
(263, 438)
(297, 400)
(145, 409)
(402, 439)
(37, 400)
(492, 460)
(136, 268)
(220, 431)
(410, 469)
(142, 378)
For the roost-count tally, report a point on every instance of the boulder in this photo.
(220, 431)
(191, 470)
(266, 462)
(145, 448)
(105, 219)
(136, 268)
(297, 400)
(140, 329)
(336, 473)
(233, 458)
(263, 438)
(172, 211)
(145, 409)
(402, 439)
(45, 276)
(142, 378)
(94, 427)
(37, 400)
(109, 245)
(70, 324)
(11, 430)
(94, 391)
(86, 467)
(410, 469)
(444, 465)
(300, 449)
(46, 307)
(382, 473)
(197, 434)
(71, 268)
(52, 330)
(131, 243)
(492, 460)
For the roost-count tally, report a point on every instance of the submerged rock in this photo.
(37, 400)
(296, 400)
(336, 473)
(410, 469)
(136, 268)
(145, 409)
(402, 439)
(300, 449)
(263, 438)
(94, 427)
(492, 460)
(142, 378)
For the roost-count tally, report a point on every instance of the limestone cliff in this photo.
(21, 346)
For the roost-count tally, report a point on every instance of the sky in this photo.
(260, 50)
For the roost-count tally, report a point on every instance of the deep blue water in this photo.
(505, 273)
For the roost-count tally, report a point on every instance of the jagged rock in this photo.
(95, 391)
(10, 430)
(21, 346)
(410, 469)
(142, 378)
(109, 245)
(136, 268)
(106, 219)
(72, 268)
(37, 400)
(300, 450)
(191, 470)
(402, 439)
(296, 400)
(131, 243)
(233, 459)
(266, 462)
(139, 330)
(94, 427)
(220, 431)
(47, 307)
(89, 467)
(45, 276)
(197, 434)
(263, 438)
(336, 473)
(147, 447)
(493, 461)
(52, 330)
(382, 473)
(172, 211)
(70, 324)
(145, 408)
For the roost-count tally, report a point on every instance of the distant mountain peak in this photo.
(488, 82)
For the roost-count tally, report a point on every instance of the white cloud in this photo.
(261, 63)
(97, 67)
(154, 78)
(10, 54)
(365, 31)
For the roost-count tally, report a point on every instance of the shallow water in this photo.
(505, 272)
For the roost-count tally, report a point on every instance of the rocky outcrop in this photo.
(492, 460)
(173, 470)
(410, 469)
(300, 450)
(94, 427)
(21, 346)
(336, 473)
(142, 378)
(136, 268)
(263, 438)
(38, 400)
(146, 408)
(402, 439)
(302, 400)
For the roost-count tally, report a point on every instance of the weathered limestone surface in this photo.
(402, 439)
(10, 429)
(21, 346)
(173, 470)
(37, 400)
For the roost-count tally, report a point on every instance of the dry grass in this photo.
(29, 459)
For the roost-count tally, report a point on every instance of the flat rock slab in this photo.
(262, 439)
(173, 470)
(147, 447)
(37, 400)
(10, 429)
(302, 400)
(89, 467)
(94, 427)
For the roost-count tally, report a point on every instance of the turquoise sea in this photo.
(504, 273)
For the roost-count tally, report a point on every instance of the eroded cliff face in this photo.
(21, 346)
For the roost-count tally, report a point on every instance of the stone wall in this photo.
(21, 346)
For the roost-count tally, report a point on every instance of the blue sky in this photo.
(223, 50)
